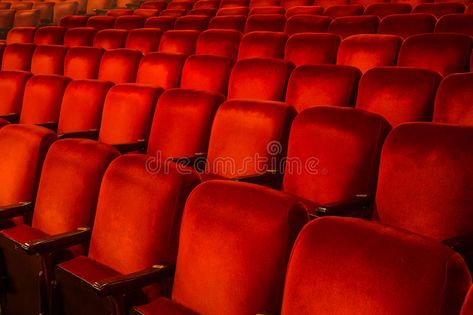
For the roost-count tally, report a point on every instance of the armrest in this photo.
(121, 284)
(357, 205)
(87, 134)
(11, 211)
(268, 177)
(50, 125)
(56, 242)
(197, 161)
(462, 244)
(139, 145)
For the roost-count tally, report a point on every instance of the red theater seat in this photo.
(383, 9)
(157, 5)
(23, 35)
(219, 43)
(243, 10)
(72, 21)
(306, 49)
(262, 44)
(399, 94)
(82, 62)
(7, 17)
(101, 22)
(180, 5)
(371, 252)
(110, 39)
(305, 23)
(263, 3)
(129, 22)
(164, 23)
(453, 105)
(405, 25)
(119, 65)
(467, 308)
(144, 39)
(18, 57)
(287, 4)
(343, 10)
(50, 35)
(48, 59)
(442, 52)
(243, 236)
(267, 10)
(455, 23)
(173, 12)
(21, 5)
(119, 12)
(146, 12)
(332, 85)
(80, 36)
(259, 79)
(66, 201)
(439, 9)
(205, 12)
(469, 9)
(369, 51)
(12, 88)
(206, 4)
(230, 22)
(26, 18)
(233, 3)
(192, 22)
(353, 25)
(265, 22)
(161, 69)
(3, 122)
(179, 41)
(304, 10)
(42, 99)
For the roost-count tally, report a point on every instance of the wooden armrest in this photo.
(87, 134)
(265, 178)
(359, 205)
(57, 242)
(462, 244)
(11, 211)
(139, 145)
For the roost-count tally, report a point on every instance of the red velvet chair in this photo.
(206, 12)
(353, 25)
(312, 49)
(3, 122)
(441, 52)
(259, 79)
(455, 23)
(384, 9)
(469, 9)
(48, 59)
(12, 88)
(261, 44)
(219, 43)
(173, 12)
(161, 69)
(164, 23)
(119, 12)
(144, 39)
(18, 57)
(146, 12)
(22, 35)
(82, 62)
(439, 9)
(206, 4)
(413, 2)
(304, 10)
(110, 39)
(243, 10)
(288, 4)
(405, 25)
(267, 10)
(263, 3)
(119, 65)
(369, 51)
(265, 22)
(333, 157)
(305, 23)
(50, 35)
(101, 22)
(158, 5)
(192, 22)
(228, 22)
(335, 11)
(73, 21)
(42, 100)
(452, 105)
(399, 94)
(130, 22)
(66, 201)
(26, 17)
(382, 261)
(80, 36)
(207, 72)
(467, 308)
(316, 85)
(85, 285)
(200, 290)
(180, 5)
(179, 41)
(233, 3)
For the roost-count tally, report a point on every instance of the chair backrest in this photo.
(218, 42)
(144, 39)
(161, 69)
(79, 36)
(23, 35)
(405, 25)
(455, 23)
(119, 65)
(50, 35)
(312, 49)
(307, 23)
(18, 57)
(110, 39)
(262, 44)
(12, 88)
(48, 59)
(179, 41)
(352, 25)
(265, 22)
(82, 62)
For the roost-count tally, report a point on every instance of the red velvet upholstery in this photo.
(219, 43)
(207, 72)
(343, 10)
(42, 99)
(228, 22)
(23, 148)
(161, 69)
(82, 105)
(12, 87)
(144, 39)
(452, 105)
(158, 5)
(351, 25)
(442, 52)
(369, 51)
(263, 3)
(182, 122)
(179, 41)
(7, 17)
(305, 23)
(17, 57)
(73, 21)
(243, 10)
(173, 12)
(48, 59)
(469, 9)
(287, 4)
(366, 2)
(432, 195)
(101, 22)
(338, 149)
(383, 9)
(312, 85)
(265, 221)
(374, 271)
(82, 62)
(164, 23)
(50, 35)
(127, 113)
(80, 36)
(259, 78)
(399, 94)
(186, 5)
(413, 2)
(192, 22)
(129, 22)
(206, 12)
(455, 23)
(304, 10)
(110, 39)
(206, 4)
(119, 65)
(26, 17)
(265, 22)
(267, 10)
(405, 25)
(254, 127)
(233, 3)
(23, 35)
(146, 12)
(306, 49)
(262, 44)
(439, 9)
(3, 122)
(119, 12)
(467, 308)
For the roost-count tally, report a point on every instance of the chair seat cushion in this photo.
(23, 233)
